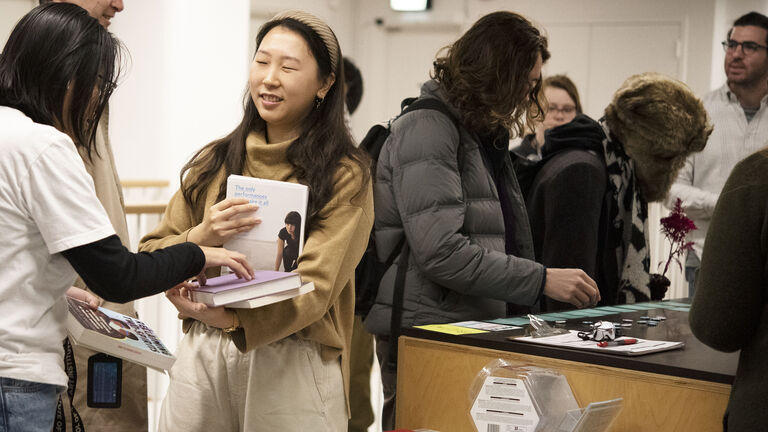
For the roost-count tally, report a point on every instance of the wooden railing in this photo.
(144, 207)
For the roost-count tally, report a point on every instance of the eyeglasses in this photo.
(567, 109)
(748, 47)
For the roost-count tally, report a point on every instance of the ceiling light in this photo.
(410, 5)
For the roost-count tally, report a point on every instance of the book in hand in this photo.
(227, 289)
(279, 237)
(116, 334)
(273, 298)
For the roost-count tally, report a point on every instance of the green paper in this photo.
(553, 316)
(678, 304)
(516, 321)
(610, 309)
(635, 307)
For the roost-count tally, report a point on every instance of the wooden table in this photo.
(681, 390)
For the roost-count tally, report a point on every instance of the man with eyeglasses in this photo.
(738, 111)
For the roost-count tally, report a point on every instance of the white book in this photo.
(116, 334)
(278, 201)
(273, 298)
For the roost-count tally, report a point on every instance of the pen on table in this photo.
(626, 341)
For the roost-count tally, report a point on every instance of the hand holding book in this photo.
(84, 296)
(224, 220)
(181, 298)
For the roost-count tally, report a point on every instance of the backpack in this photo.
(370, 270)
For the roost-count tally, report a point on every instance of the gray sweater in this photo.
(435, 189)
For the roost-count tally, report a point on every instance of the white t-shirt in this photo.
(47, 205)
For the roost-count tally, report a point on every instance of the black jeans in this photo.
(388, 381)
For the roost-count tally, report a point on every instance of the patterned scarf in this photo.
(629, 216)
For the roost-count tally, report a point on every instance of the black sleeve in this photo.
(118, 275)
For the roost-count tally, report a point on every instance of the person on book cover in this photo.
(111, 327)
(291, 357)
(288, 242)
(57, 72)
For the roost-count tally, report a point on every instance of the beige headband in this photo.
(319, 27)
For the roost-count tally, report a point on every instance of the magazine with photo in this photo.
(277, 242)
(116, 334)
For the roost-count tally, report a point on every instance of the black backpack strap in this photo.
(394, 253)
(413, 104)
(397, 304)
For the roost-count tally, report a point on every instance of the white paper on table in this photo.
(572, 340)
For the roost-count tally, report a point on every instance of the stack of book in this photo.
(265, 288)
(282, 210)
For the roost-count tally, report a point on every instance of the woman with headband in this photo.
(283, 366)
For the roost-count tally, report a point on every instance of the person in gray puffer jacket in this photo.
(453, 194)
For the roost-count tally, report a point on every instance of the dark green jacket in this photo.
(729, 308)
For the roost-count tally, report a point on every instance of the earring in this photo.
(318, 102)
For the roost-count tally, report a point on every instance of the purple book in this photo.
(223, 290)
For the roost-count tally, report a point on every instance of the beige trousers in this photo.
(284, 386)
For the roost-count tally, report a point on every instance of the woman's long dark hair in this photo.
(315, 155)
(56, 48)
(485, 73)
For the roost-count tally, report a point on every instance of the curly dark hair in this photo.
(485, 73)
(323, 144)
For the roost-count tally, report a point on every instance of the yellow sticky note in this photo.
(451, 329)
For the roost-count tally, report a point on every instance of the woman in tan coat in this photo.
(283, 366)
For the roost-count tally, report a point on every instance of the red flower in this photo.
(675, 228)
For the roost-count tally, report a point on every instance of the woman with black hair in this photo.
(57, 72)
(284, 366)
(288, 242)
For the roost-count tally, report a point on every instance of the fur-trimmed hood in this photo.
(660, 122)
